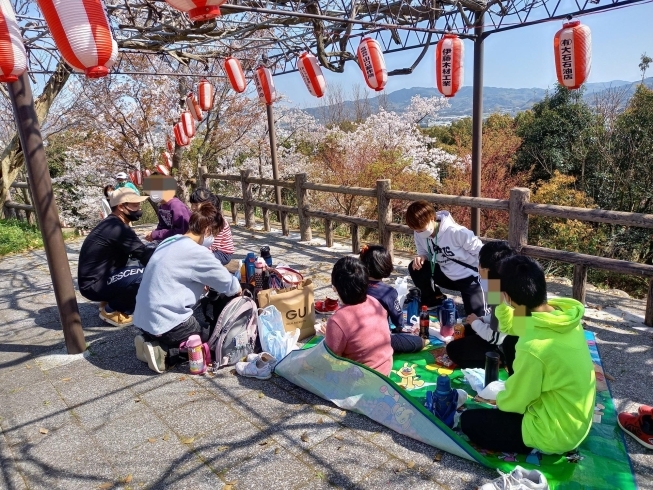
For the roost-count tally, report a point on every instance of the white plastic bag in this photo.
(274, 338)
(401, 285)
(491, 391)
(476, 378)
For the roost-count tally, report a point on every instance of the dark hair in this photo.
(419, 214)
(522, 278)
(492, 253)
(203, 218)
(377, 260)
(203, 196)
(349, 277)
(108, 188)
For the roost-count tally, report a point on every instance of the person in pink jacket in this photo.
(359, 329)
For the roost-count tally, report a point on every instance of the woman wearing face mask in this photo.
(447, 256)
(102, 273)
(172, 284)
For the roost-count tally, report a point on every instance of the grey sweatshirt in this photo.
(173, 282)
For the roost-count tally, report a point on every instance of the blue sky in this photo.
(519, 58)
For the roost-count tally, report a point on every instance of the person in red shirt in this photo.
(223, 242)
(359, 329)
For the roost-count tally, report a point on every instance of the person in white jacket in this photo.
(482, 333)
(447, 256)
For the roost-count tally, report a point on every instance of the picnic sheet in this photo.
(397, 402)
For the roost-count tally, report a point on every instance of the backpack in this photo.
(235, 332)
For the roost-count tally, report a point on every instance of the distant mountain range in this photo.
(495, 99)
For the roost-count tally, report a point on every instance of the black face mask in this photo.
(133, 215)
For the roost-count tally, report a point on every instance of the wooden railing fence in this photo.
(11, 207)
(518, 206)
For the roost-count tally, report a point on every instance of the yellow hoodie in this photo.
(553, 384)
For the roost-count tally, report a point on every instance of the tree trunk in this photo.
(11, 159)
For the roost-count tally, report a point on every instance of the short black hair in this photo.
(107, 189)
(522, 278)
(202, 194)
(494, 252)
(349, 277)
(377, 260)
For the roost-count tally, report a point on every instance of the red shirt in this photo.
(223, 241)
(360, 333)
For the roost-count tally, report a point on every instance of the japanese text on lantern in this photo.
(446, 67)
(367, 62)
(567, 56)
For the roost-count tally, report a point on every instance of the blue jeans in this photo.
(223, 257)
(121, 287)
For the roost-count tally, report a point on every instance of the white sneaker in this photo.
(264, 357)
(518, 479)
(254, 369)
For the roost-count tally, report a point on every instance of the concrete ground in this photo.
(105, 421)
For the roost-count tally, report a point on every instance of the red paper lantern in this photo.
(147, 172)
(180, 135)
(205, 91)
(162, 169)
(80, 30)
(193, 107)
(137, 177)
(187, 124)
(449, 56)
(169, 145)
(370, 59)
(572, 46)
(235, 73)
(166, 159)
(13, 59)
(311, 74)
(264, 85)
(198, 9)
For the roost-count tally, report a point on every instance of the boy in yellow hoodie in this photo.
(548, 402)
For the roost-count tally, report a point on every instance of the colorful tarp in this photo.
(397, 402)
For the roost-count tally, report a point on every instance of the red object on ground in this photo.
(640, 427)
(328, 306)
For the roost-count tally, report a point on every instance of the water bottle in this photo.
(250, 266)
(424, 323)
(447, 317)
(444, 401)
(411, 305)
(491, 367)
(265, 254)
(258, 275)
(199, 354)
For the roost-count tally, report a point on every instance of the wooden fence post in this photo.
(304, 221)
(247, 198)
(234, 213)
(328, 233)
(385, 214)
(355, 245)
(579, 284)
(518, 229)
(648, 316)
(266, 219)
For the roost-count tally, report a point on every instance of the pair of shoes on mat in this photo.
(639, 425)
(151, 353)
(518, 479)
(116, 318)
(259, 366)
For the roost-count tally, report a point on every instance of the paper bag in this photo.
(296, 306)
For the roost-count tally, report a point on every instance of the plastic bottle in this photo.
(250, 266)
(258, 274)
(424, 323)
(265, 254)
(459, 329)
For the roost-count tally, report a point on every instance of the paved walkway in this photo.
(106, 421)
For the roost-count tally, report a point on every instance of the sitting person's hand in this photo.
(418, 262)
(148, 237)
(471, 318)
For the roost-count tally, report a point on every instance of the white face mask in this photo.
(426, 233)
(208, 241)
(156, 196)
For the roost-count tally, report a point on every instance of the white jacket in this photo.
(484, 329)
(452, 241)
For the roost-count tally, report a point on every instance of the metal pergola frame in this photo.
(284, 29)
